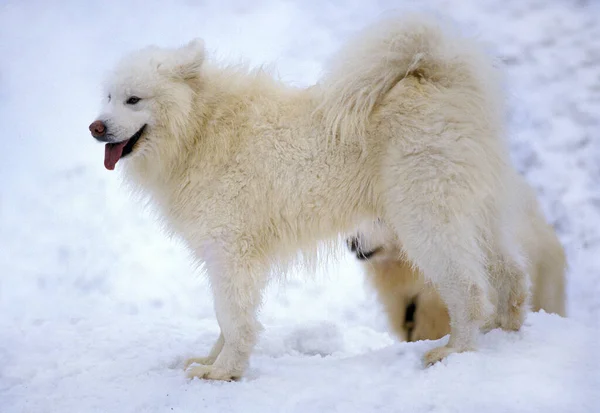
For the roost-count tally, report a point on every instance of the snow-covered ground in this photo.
(98, 309)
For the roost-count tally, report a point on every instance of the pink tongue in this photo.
(112, 153)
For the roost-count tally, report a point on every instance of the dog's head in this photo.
(147, 98)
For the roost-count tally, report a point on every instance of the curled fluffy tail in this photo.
(383, 54)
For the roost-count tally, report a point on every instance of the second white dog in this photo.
(406, 126)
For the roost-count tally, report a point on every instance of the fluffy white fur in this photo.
(406, 126)
(399, 285)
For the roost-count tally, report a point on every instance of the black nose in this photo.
(98, 129)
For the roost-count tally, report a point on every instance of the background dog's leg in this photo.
(548, 274)
(549, 289)
(237, 296)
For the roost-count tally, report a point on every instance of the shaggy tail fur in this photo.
(366, 69)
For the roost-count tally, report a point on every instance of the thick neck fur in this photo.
(200, 135)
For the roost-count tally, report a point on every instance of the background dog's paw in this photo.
(206, 361)
(210, 373)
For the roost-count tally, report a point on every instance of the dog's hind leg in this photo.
(237, 295)
(456, 267)
(455, 264)
(212, 356)
(438, 221)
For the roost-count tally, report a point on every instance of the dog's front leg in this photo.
(237, 296)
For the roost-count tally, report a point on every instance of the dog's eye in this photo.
(133, 100)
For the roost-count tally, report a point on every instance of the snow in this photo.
(98, 308)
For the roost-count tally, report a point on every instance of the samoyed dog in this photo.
(413, 307)
(406, 125)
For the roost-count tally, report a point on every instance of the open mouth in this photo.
(115, 151)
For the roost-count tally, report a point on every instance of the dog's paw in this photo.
(440, 353)
(211, 373)
(206, 361)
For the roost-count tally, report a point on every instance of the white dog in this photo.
(406, 126)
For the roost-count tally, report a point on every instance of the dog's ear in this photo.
(189, 60)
